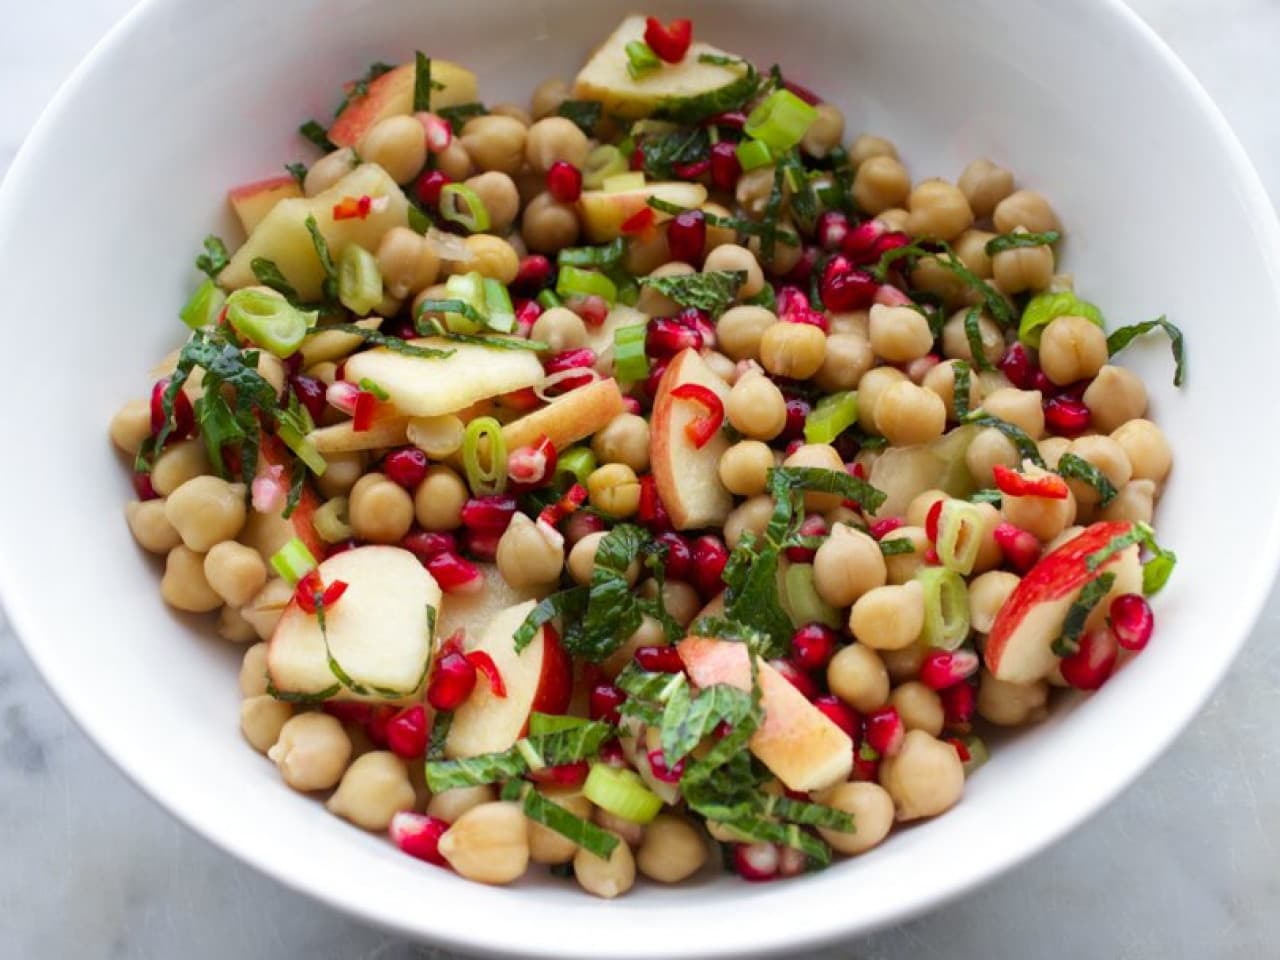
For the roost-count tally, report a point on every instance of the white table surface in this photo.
(1183, 865)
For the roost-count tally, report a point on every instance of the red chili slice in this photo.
(353, 208)
(573, 498)
(362, 416)
(1014, 484)
(484, 664)
(639, 223)
(702, 429)
(669, 42)
(311, 585)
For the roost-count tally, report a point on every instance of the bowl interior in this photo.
(1163, 215)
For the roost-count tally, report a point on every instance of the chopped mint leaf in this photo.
(298, 171)
(772, 209)
(553, 749)
(722, 628)
(992, 299)
(1027, 449)
(317, 134)
(1073, 625)
(360, 88)
(330, 285)
(569, 605)
(662, 154)
(214, 258)
(987, 495)
(961, 382)
(457, 116)
(613, 608)
(713, 292)
(495, 343)
(719, 60)
(822, 480)
(1119, 339)
(422, 83)
(603, 257)
(896, 546)
(766, 298)
(269, 275)
(584, 113)
(1014, 241)
(1077, 468)
(394, 344)
(647, 692)
(973, 333)
(551, 815)
(439, 734)
(687, 720)
(741, 225)
(809, 814)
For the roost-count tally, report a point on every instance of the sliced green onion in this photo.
(529, 753)
(832, 416)
(946, 607)
(602, 163)
(641, 59)
(578, 461)
(498, 307)
(754, 154)
(268, 321)
(630, 363)
(468, 288)
(622, 793)
(306, 451)
(548, 299)
(368, 385)
(1044, 308)
(780, 120)
(802, 600)
(960, 529)
(293, 561)
(540, 723)
(624, 182)
(573, 282)
(482, 478)
(609, 255)
(461, 205)
(331, 521)
(204, 306)
(359, 280)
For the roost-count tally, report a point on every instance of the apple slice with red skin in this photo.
(687, 476)
(1019, 646)
(803, 748)
(392, 94)
(539, 678)
(268, 532)
(253, 201)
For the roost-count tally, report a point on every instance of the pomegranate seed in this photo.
(452, 681)
(859, 243)
(931, 557)
(962, 749)
(755, 862)
(890, 296)
(798, 410)
(945, 668)
(143, 487)
(611, 753)
(490, 513)
(564, 181)
(725, 168)
(429, 186)
(656, 370)
(564, 775)
(533, 275)
(686, 236)
(1017, 365)
(406, 466)
(812, 646)
(580, 524)
(832, 228)
(884, 731)
(658, 767)
(707, 559)
(845, 287)
(437, 131)
(342, 546)
(813, 526)
(791, 862)
(184, 417)
(1019, 547)
(882, 528)
(958, 704)
(592, 309)
(666, 336)
(699, 320)
(454, 574)
(637, 158)
(481, 544)
(603, 702)
(425, 544)
(659, 659)
(866, 765)
(419, 836)
(582, 357)
(1040, 381)
(1066, 415)
(679, 554)
(931, 519)
(692, 170)
(733, 119)
(796, 677)
(653, 514)
(839, 713)
(348, 711)
(407, 733)
(310, 393)
(1132, 620)
(631, 405)
(803, 269)
(889, 241)
(534, 464)
(1090, 666)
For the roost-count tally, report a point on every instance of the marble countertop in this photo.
(94, 869)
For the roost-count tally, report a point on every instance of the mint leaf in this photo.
(822, 480)
(458, 116)
(569, 605)
(584, 833)
(961, 380)
(1119, 339)
(584, 113)
(214, 258)
(603, 257)
(298, 171)
(1014, 241)
(896, 546)
(495, 343)
(973, 333)
(663, 153)
(318, 135)
(688, 720)
(1075, 467)
(269, 275)
(713, 292)
(1073, 625)
(1027, 449)
(330, 284)
(394, 344)
(553, 749)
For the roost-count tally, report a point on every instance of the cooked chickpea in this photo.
(787, 251)
(179, 463)
(235, 571)
(904, 665)
(720, 365)
(741, 329)
(1105, 454)
(253, 671)
(680, 599)
(899, 334)
(1146, 448)
(922, 504)
(753, 189)
(925, 778)
(988, 448)
(989, 553)
(513, 110)
(407, 262)
(984, 184)
(941, 379)
(560, 329)
(526, 557)
(652, 300)
(931, 275)
(1136, 502)
(328, 170)
(938, 209)
(495, 143)
(1051, 450)
(645, 254)
(265, 609)
(880, 184)
(955, 341)
(373, 790)
(497, 191)
(919, 707)
(454, 161)
(450, 805)
(614, 490)
(437, 503)
(1115, 397)
(184, 586)
(553, 139)
(233, 627)
(605, 878)
(1025, 208)
(1023, 268)
(547, 97)
(750, 516)
(848, 357)
(672, 849)
(907, 414)
(312, 751)
(624, 440)
(582, 559)
(488, 844)
(548, 225)
(872, 810)
(756, 407)
(649, 634)
(492, 257)
(824, 457)
(987, 594)
(871, 388)
(889, 617)
(150, 526)
(719, 236)
(1043, 517)
(132, 425)
(868, 145)
(902, 567)
(547, 846)
(894, 219)
(380, 510)
(825, 132)
(398, 145)
(744, 467)
(341, 474)
(261, 720)
(847, 565)
(1011, 704)
(857, 675)
(971, 249)
(731, 256)
(1022, 408)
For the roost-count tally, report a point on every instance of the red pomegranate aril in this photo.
(1131, 620)
(533, 275)
(184, 417)
(839, 713)
(637, 158)
(603, 702)
(678, 562)
(798, 410)
(796, 677)
(803, 270)
(564, 181)
(790, 299)
(452, 681)
(143, 487)
(692, 170)
(708, 556)
(845, 287)
(958, 705)
(658, 767)
(859, 242)
(813, 525)
(564, 775)
(1066, 416)
(1019, 547)
(888, 241)
(592, 309)
(419, 836)
(348, 711)
(429, 186)
(611, 753)
(686, 236)
(656, 370)
(490, 513)
(812, 646)
(832, 228)
(666, 336)
(454, 574)
(631, 405)
(481, 545)
(945, 668)
(310, 393)
(918, 368)
(406, 466)
(659, 659)
(699, 320)
(425, 544)
(884, 731)
(407, 733)
(581, 524)
(962, 749)
(725, 167)
(652, 512)
(882, 528)
(755, 862)
(866, 765)
(1090, 666)
(1018, 366)
(931, 520)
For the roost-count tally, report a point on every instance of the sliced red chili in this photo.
(484, 664)
(669, 42)
(311, 587)
(1014, 484)
(362, 415)
(639, 223)
(700, 430)
(572, 499)
(353, 208)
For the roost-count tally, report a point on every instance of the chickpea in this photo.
(955, 341)
(547, 846)
(235, 571)
(527, 557)
(643, 255)
(605, 878)
(925, 778)
(1023, 268)
(548, 224)
(1011, 704)
(907, 414)
(495, 143)
(680, 599)
(988, 448)
(630, 832)
(341, 474)
(984, 184)
(787, 251)
(672, 849)
(753, 190)
(501, 199)
(938, 209)
(373, 790)
(1135, 502)
(902, 567)
(931, 275)
(857, 675)
(150, 527)
(1042, 517)
(719, 236)
(554, 139)
(438, 501)
(824, 457)
(894, 219)
(756, 407)
(1051, 450)
(184, 586)
(397, 144)
(750, 516)
(407, 262)
(825, 133)
(547, 97)
(624, 440)
(856, 322)
(971, 249)
(233, 627)
(614, 490)
(847, 565)
(488, 844)
(987, 594)
(655, 303)
(741, 329)
(872, 810)
(379, 509)
(1146, 448)
(261, 720)
(921, 504)
(731, 256)
(871, 388)
(264, 610)
(919, 707)
(889, 617)
(989, 553)
(1022, 408)
(492, 257)
(720, 365)
(328, 170)
(1115, 397)
(582, 560)
(744, 467)
(868, 145)
(312, 751)
(131, 425)
(904, 665)
(794, 350)
(1108, 456)
(560, 329)
(899, 334)
(1025, 208)
(179, 463)
(847, 358)
(941, 379)
(513, 110)
(649, 634)
(450, 805)
(454, 161)
(880, 184)
(253, 671)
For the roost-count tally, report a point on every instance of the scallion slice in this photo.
(461, 205)
(469, 289)
(641, 59)
(498, 307)
(622, 793)
(575, 282)
(548, 299)
(832, 416)
(780, 120)
(754, 154)
(330, 521)
(359, 280)
(293, 561)
(802, 600)
(959, 535)
(268, 321)
(946, 607)
(482, 477)
(540, 723)
(602, 163)
(630, 363)
(297, 441)
(204, 306)
(578, 462)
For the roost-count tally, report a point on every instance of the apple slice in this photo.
(804, 749)
(473, 612)
(253, 201)
(687, 476)
(389, 429)
(905, 472)
(540, 677)
(421, 387)
(380, 631)
(282, 236)
(333, 345)
(600, 339)
(1019, 646)
(392, 94)
(568, 418)
(603, 213)
(268, 532)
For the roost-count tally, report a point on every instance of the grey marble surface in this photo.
(1183, 865)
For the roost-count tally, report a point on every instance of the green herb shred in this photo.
(1073, 625)
(584, 113)
(1117, 340)
(1015, 241)
(269, 275)
(1075, 467)
(318, 135)
(214, 258)
(713, 292)
(330, 284)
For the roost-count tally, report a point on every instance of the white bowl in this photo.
(108, 200)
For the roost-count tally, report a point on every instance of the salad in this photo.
(651, 478)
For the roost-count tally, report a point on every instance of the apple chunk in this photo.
(568, 418)
(392, 95)
(268, 532)
(804, 749)
(253, 201)
(1019, 647)
(473, 612)
(687, 476)
(540, 677)
(380, 631)
(603, 213)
